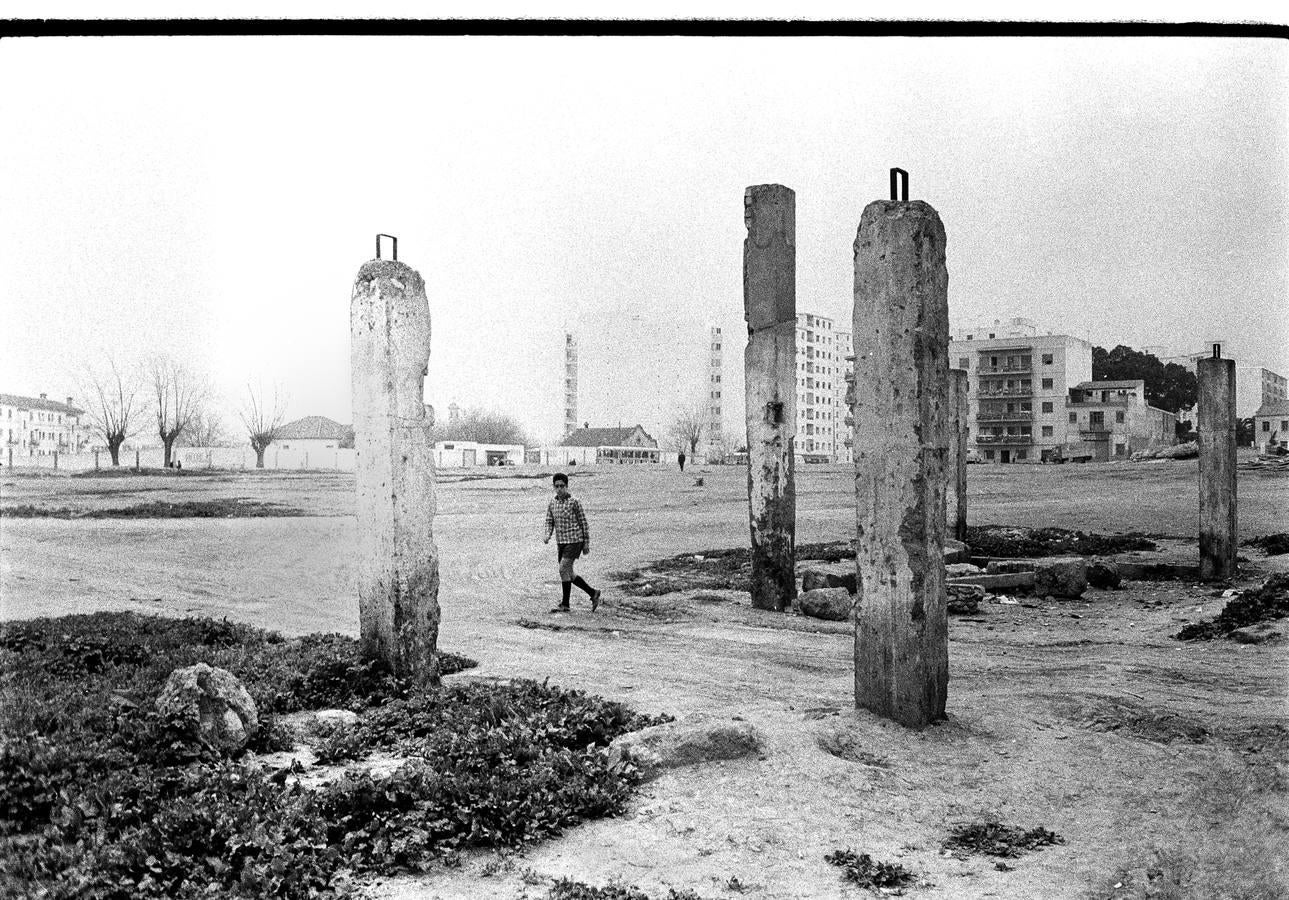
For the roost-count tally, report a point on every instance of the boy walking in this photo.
(566, 520)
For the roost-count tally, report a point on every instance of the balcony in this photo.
(1006, 392)
(1005, 439)
(1094, 434)
(1022, 369)
(1017, 416)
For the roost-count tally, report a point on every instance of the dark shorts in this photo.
(568, 551)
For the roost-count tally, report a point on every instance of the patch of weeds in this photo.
(844, 745)
(103, 797)
(867, 872)
(339, 743)
(1114, 714)
(1271, 601)
(567, 889)
(231, 508)
(1026, 543)
(538, 623)
(705, 597)
(1270, 544)
(997, 839)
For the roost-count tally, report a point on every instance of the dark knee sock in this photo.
(567, 587)
(583, 585)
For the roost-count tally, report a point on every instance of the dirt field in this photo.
(1086, 716)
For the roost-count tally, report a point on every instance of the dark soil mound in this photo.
(1020, 543)
(1271, 601)
(1270, 544)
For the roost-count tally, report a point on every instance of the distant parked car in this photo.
(973, 456)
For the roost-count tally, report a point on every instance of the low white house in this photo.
(464, 454)
(1271, 425)
(310, 433)
(607, 446)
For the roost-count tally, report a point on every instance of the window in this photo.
(1047, 384)
(1118, 416)
(1284, 424)
(991, 335)
(964, 362)
(971, 337)
(1047, 407)
(1266, 426)
(1074, 418)
(1119, 449)
(1047, 359)
(989, 454)
(1022, 454)
(1047, 431)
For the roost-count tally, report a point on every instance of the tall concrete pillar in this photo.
(903, 416)
(1218, 532)
(770, 386)
(398, 566)
(961, 426)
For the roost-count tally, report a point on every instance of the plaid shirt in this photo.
(568, 521)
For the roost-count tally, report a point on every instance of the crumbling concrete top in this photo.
(375, 269)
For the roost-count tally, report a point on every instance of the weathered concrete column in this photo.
(961, 425)
(770, 388)
(398, 566)
(903, 417)
(1218, 532)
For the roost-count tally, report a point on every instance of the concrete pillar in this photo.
(903, 417)
(1218, 532)
(961, 425)
(136, 460)
(770, 386)
(55, 460)
(398, 566)
(95, 460)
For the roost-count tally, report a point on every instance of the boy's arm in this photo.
(550, 524)
(581, 520)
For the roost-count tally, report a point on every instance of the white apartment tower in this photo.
(821, 388)
(843, 450)
(715, 435)
(570, 383)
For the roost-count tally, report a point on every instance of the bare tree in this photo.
(483, 427)
(207, 429)
(261, 423)
(178, 395)
(112, 404)
(687, 426)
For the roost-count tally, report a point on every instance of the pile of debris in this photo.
(1244, 613)
(1177, 451)
(1271, 463)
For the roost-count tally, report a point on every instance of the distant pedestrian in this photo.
(681, 459)
(566, 520)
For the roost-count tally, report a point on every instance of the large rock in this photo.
(1010, 566)
(956, 551)
(835, 577)
(1104, 574)
(216, 700)
(961, 570)
(831, 603)
(675, 744)
(1061, 576)
(965, 599)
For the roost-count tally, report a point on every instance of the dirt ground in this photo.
(1086, 717)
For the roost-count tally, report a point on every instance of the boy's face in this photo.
(561, 490)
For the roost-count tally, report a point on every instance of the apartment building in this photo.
(1018, 384)
(570, 383)
(821, 388)
(1111, 420)
(843, 443)
(38, 426)
(714, 432)
(1255, 386)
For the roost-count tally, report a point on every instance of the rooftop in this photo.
(1279, 408)
(39, 403)
(600, 437)
(312, 428)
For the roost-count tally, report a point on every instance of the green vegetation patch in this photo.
(867, 872)
(102, 797)
(1271, 601)
(228, 508)
(997, 839)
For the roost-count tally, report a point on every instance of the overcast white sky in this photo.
(214, 197)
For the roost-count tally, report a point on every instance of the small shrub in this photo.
(867, 872)
(567, 889)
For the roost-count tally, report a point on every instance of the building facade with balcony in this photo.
(1111, 420)
(714, 431)
(1017, 385)
(821, 389)
(38, 426)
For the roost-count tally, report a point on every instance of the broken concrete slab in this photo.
(1104, 574)
(1061, 576)
(839, 575)
(998, 582)
(957, 570)
(956, 551)
(671, 745)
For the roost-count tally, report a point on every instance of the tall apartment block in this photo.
(821, 388)
(713, 430)
(1018, 386)
(843, 445)
(570, 383)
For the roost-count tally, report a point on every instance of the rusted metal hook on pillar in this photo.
(900, 177)
(395, 240)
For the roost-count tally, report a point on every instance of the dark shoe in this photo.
(595, 600)
(560, 608)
